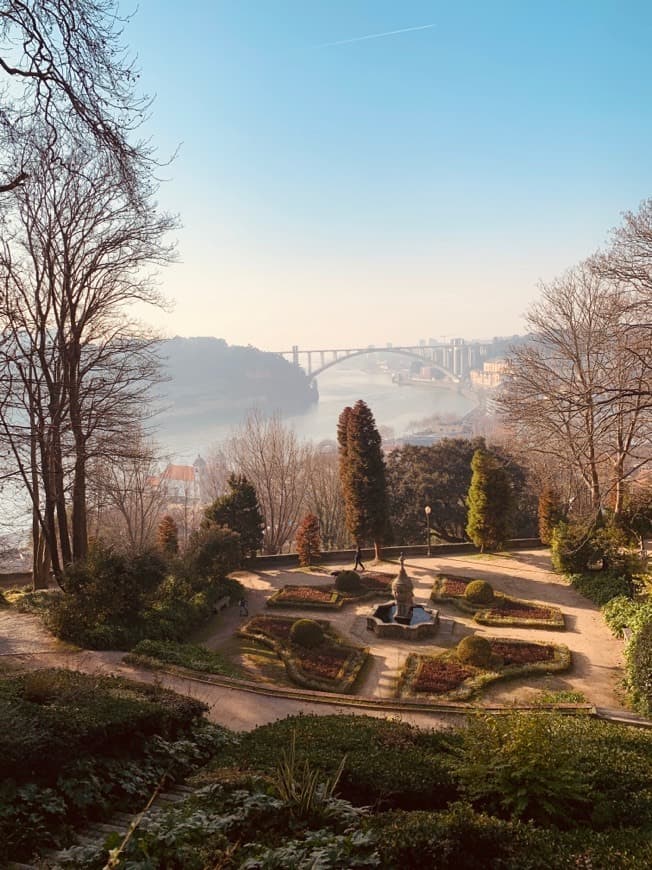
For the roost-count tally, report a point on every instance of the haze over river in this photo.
(391, 405)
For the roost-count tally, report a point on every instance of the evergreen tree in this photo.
(168, 536)
(550, 513)
(489, 501)
(308, 540)
(240, 511)
(362, 476)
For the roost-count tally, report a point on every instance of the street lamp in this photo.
(428, 510)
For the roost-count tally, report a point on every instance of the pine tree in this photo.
(240, 511)
(308, 540)
(489, 501)
(550, 513)
(168, 535)
(362, 476)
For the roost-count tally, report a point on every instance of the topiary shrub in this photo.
(639, 668)
(474, 650)
(479, 592)
(348, 581)
(307, 633)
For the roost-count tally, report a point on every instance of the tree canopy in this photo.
(489, 501)
(240, 511)
(362, 475)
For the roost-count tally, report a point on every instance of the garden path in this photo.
(597, 669)
(597, 656)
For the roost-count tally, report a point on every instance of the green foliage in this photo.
(240, 511)
(574, 549)
(557, 770)
(348, 581)
(185, 655)
(389, 763)
(439, 475)
(601, 586)
(213, 551)
(474, 650)
(69, 744)
(489, 500)
(639, 667)
(308, 542)
(113, 601)
(519, 768)
(307, 633)
(479, 592)
(550, 513)
(363, 475)
(622, 612)
(303, 789)
(168, 536)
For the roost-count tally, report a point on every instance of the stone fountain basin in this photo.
(423, 622)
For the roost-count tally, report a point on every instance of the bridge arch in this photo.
(422, 359)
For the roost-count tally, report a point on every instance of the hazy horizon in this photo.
(364, 172)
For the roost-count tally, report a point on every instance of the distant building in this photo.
(491, 376)
(183, 484)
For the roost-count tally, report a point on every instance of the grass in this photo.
(157, 654)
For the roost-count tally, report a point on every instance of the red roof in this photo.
(179, 472)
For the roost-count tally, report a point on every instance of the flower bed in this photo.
(333, 666)
(444, 677)
(372, 584)
(306, 596)
(504, 610)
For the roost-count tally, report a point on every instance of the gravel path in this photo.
(597, 656)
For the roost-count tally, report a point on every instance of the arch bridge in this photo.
(454, 359)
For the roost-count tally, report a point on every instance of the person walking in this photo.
(358, 559)
(244, 609)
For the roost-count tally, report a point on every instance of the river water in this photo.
(392, 405)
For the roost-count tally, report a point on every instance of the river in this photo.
(392, 405)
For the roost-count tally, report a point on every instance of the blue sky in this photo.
(412, 185)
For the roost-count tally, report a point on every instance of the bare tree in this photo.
(324, 497)
(275, 462)
(75, 366)
(127, 497)
(554, 397)
(65, 67)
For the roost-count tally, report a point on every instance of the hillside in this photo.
(212, 381)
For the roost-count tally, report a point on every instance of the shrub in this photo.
(574, 549)
(388, 763)
(474, 650)
(639, 668)
(214, 551)
(348, 581)
(621, 612)
(601, 586)
(307, 633)
(186, 655)
(522, 767)
(479, 592)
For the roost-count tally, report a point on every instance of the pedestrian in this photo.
(244, 609)
(358, 559)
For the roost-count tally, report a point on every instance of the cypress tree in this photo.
(550, 513)
(489, 501)
(168, 536)
(362, 476)
(308, 543)
(240, 511)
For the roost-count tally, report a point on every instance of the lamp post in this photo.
(428, 510)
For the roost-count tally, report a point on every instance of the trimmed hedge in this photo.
(479, 592)
(307, 633)
(474, 650)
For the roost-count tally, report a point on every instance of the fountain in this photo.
(402, 618)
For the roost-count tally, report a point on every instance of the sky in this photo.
(340, 182)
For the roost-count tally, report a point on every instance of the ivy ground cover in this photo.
(332, 666)
(503, 610)
(447, 678)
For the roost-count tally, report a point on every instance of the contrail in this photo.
(376, 35)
